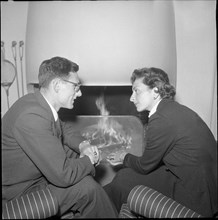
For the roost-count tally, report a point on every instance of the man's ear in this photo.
(55, 83)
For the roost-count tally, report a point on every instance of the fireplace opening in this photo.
(116, 98)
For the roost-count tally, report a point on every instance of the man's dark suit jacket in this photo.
(180, 140)
(32, 151)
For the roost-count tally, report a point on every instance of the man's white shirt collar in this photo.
(153, 110)
(55, 114)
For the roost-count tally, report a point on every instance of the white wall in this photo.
(196, 58)
(196, 53)
(108, 39)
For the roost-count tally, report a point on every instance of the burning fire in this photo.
(108, 134)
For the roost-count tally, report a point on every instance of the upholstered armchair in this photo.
(146, 202)
(40, 204)
(142, 202)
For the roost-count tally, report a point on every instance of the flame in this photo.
(109, 133)
(101, 106)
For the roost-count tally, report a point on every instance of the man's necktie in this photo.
(58, 129)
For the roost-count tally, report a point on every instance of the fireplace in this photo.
(116, 100)
(105, 116)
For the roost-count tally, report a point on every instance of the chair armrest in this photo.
(149, 203)
(125, 212)
(34, 205)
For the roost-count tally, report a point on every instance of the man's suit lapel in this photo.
(56, 126)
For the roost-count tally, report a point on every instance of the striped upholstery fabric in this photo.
(35, 205)
(152, 204)
(125, 212)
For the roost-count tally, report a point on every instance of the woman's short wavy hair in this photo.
(56, 67)
(154, 77)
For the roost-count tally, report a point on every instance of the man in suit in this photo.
(180, 155)
(40, 151)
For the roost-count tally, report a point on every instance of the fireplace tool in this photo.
(21, 44)
(8, 72)
(14, 52)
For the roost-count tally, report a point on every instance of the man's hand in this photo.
(91, 151)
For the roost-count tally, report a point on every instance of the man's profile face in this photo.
(69, 91)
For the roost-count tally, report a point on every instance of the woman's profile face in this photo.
(142, 96)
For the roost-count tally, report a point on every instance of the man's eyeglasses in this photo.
(76, 85)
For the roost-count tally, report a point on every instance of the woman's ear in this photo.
(156, 94)
(156, 90)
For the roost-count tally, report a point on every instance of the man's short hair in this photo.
(56, 67)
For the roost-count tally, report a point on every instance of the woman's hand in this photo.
(117, 157)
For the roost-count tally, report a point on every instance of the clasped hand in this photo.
(117, 157)
(91, 151)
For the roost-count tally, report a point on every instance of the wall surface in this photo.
(108, 39)
(196, 58)
(195, 27)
